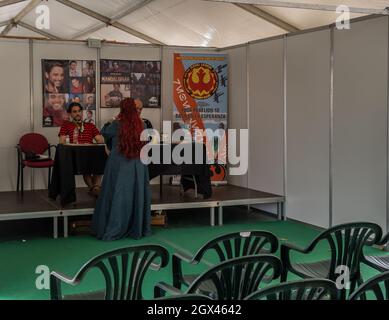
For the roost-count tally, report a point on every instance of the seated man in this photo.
(80, 133)
(139, 108)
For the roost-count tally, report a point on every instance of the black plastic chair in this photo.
(29, 148)
(308, 289)
(233, 279)
(228, 246)
(123, 270)
(346, 243)
(380, 263)
(378, 286)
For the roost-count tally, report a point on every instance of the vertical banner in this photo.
(200, 96)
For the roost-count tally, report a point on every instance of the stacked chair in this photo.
(380, 263)
(308, 289)
(377, 286)
(346, 242)
(234, 279)
(225, 247)
(123, 269)
(244, 267)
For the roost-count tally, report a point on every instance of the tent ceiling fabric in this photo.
(201, 23)
(11, 11)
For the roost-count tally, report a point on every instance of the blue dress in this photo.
(123, 208)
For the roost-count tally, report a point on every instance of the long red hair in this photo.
(131, 127)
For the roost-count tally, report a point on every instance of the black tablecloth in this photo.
(200, 171)
(85, 160)
(74, 160)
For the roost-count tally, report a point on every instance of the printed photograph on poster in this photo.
(135, 79)
(113, 94)
(89, 116)
(63, 82)
(89, 102)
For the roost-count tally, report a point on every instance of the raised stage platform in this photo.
(37, 204)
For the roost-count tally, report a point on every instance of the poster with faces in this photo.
(122, 79)
(66, 81)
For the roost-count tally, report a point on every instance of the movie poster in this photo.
(201, 102)
(66, 81)
(136, 79)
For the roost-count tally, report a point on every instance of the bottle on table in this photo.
(75, 135)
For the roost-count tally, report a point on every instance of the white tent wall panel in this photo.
(15, 108)
(125, 52)
(237, 100)
(60, 51)
(265, 68)
(360, 122)
(308, 127)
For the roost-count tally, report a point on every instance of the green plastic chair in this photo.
(380, 263)
(378, 286)
(233, 279)
(308, 289)
(225, 247)
(123, 270)
(346, 242)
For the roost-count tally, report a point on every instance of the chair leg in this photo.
(49, 178)
(18, 180)
(22, 178)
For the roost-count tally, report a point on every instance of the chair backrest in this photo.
(346, 242)
(308, 289)
(123, 270)
(33, 142)
(239, 244)
(235, 279)
(377, 286)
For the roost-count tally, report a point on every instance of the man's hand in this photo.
(62, 140)
(99, 139)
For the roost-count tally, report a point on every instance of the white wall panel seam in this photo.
(31, 70)
(387, 139)
(331, 141)
(285, 145)
(161, 90)
(98, 87)
(248, 109)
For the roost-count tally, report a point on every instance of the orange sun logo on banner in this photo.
(201, 81)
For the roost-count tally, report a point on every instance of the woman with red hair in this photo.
(123, 208)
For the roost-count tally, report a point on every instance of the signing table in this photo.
(90, 159)
(71, 160)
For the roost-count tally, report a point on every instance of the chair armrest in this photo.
(290, 246)
(161, 288)
(177, 259)
(62, 277)
(183, 257)
(285, 258)
(384, 240)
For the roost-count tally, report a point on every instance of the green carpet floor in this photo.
(19, 259)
